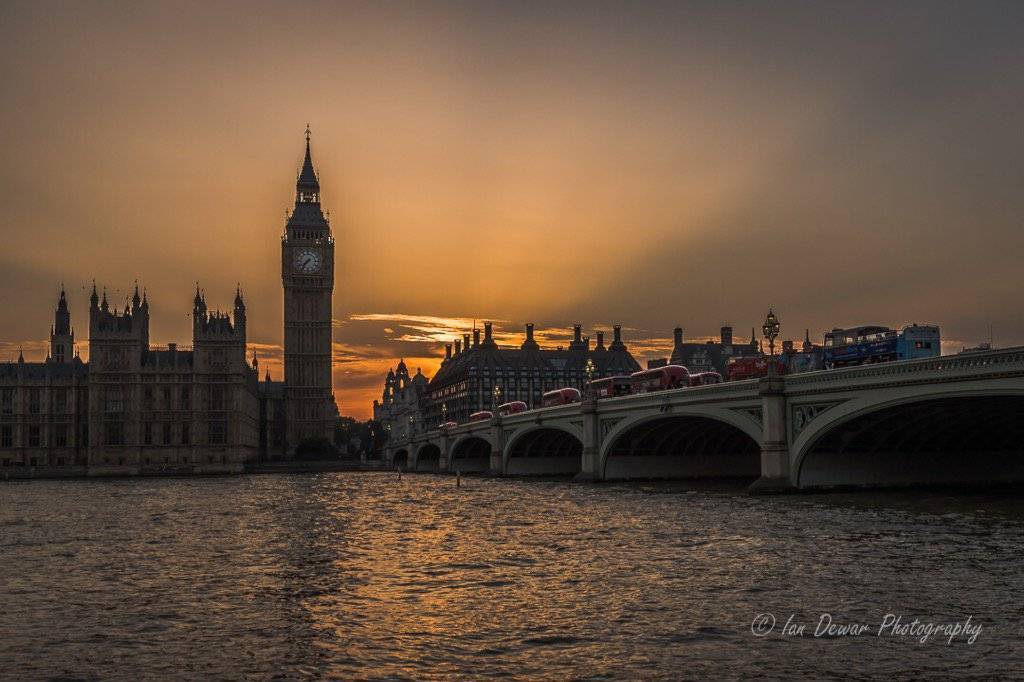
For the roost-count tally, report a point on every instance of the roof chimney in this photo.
(476, 338)
(677, 336)
(458, 346)
(577, 330)
(529, 343)
(600, 341)
(447, 351)
(465, 341)
(617, 339)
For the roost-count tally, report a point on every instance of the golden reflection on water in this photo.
(365, 576)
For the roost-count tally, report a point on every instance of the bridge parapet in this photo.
(973, 365)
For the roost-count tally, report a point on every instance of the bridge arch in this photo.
(400, 458)
(428, 457)
(470, 453)
(544, 450)
(943, 438)
(683, 445)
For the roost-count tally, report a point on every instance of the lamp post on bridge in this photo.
(771, 331)
(589, 367)
(497, 397)
(444, 413)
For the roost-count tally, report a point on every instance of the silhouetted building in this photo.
(709, 356)
(400, 411)
(133, 404)
(467, 378)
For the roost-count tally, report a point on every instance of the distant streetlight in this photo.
(771, 331)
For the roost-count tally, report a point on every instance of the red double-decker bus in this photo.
(705, 378)
(449, 425)
(514, 407)
(659, 379)
(752, 368)
(483, 415)
(609, 387)
(560, 396)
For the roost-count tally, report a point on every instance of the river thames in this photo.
(365, 576)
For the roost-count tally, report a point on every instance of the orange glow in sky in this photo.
(649, 166)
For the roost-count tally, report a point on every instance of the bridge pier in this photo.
(446, 455)
(775, 455)
(590, 466)
(497, 464)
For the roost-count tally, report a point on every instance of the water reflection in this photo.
(366, 576)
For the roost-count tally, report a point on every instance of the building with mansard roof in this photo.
(472, 370)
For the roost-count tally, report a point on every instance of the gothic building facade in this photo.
(136, 405)
(133, 404)
(401, 407)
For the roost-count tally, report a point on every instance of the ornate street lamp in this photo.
(589, 367)
(497, 397)
(771, 331)
(444, 413)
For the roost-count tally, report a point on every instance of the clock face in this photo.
(308, 261)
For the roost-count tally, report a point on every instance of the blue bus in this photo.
(869, 344)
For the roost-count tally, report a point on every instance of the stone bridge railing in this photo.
(765, 409)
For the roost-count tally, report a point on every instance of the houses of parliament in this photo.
(204, 407)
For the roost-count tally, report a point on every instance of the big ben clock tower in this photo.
(307, 272)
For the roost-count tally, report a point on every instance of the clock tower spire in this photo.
(307, 275)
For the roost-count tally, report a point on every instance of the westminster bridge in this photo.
(950, 420)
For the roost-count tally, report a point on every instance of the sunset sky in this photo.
(644, 164)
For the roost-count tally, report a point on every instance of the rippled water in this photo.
(365, 576)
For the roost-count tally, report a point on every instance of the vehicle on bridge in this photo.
(868, 344)
(482, 415)
(752, 368)
(705, 378)
(449, 425)
(560, 396)
(514, 407)
(659, 379)
(609, 387)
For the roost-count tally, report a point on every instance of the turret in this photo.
(677, 337)
(600, 341)
(239, 310)
(476, 338)
(726, 336)
(62, 336)
(447, 351)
